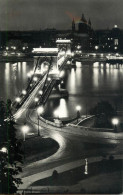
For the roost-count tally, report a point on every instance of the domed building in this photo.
(83, 33)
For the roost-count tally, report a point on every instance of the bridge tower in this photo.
(64, 46)
(45, 59)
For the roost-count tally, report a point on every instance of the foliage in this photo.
(11, 160)
(104, 112)
(103, 107)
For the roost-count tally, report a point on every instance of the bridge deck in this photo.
(30, 96)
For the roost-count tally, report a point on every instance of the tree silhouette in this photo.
(104, 112)
(11, 158)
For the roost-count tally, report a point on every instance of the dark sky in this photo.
(41, 14)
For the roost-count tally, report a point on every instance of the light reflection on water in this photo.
(87, 84)
(62, 109)
(13, 79)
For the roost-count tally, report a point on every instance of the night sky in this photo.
(41, 14)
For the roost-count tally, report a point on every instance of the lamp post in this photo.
(40, 110)
(78, 108)
(25, 129)
(36, 100)
(3, 158)
(115, 122)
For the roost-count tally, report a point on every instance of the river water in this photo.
(88, 84)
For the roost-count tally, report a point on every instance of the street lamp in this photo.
(72, 54)
(18, 99)
(25, 129)
(40, 92)
(96, 47)
(24, 92)
(35, 79)
(36, 99)
(4, 150)
(68, 62)
(40, 110)
(78, 108)
(29, 74)
(115, 122)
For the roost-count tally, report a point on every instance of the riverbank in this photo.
(16, 59)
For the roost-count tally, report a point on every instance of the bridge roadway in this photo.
(33, 93)
(73, 146)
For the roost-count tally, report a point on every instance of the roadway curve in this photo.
(72, 148)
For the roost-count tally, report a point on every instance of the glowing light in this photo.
(7, 48)
(62, 110)
(68, 62)
(40, 110)
(25, 129)
(45, 50)
(24, 92)
(78, 64)
(72, 80)
(86, 166)
(72, 53)
(63, 41)
(18, 99)
(36, 99)
(96, 64)
(40, 92)
(35, 79)
(29, 74)
(62, 73)
(96, 47)
(4, 150)
(78, 47)
(115, 121)
(49, 79)
(56, 113)
(78, 108)
(115, 26)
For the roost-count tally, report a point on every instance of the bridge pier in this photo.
(59, 91)
(45, 59)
